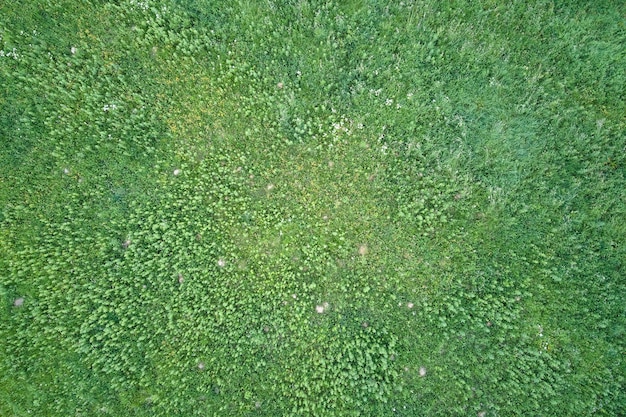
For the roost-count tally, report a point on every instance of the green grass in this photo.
(312, 208)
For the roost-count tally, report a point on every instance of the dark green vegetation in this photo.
(312, 208)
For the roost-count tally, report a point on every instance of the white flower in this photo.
(140, 4)
(177, 171)
(422, 371)
(73, 50)
(388, 102)
(12, 53)
(221, 263)
(319, 309)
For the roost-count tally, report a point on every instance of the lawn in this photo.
(316, 208)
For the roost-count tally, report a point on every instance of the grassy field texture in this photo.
(312, 208)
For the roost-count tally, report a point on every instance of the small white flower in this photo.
(422, 371)
(177, 171)
(66, 171)
(410, 305)
(18, 302)
(319, 309)
(12, 53)
(73, 50)
(221, 263)
(388, 102)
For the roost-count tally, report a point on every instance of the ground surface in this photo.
(313, 208)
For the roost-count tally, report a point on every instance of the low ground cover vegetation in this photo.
(312, 208)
